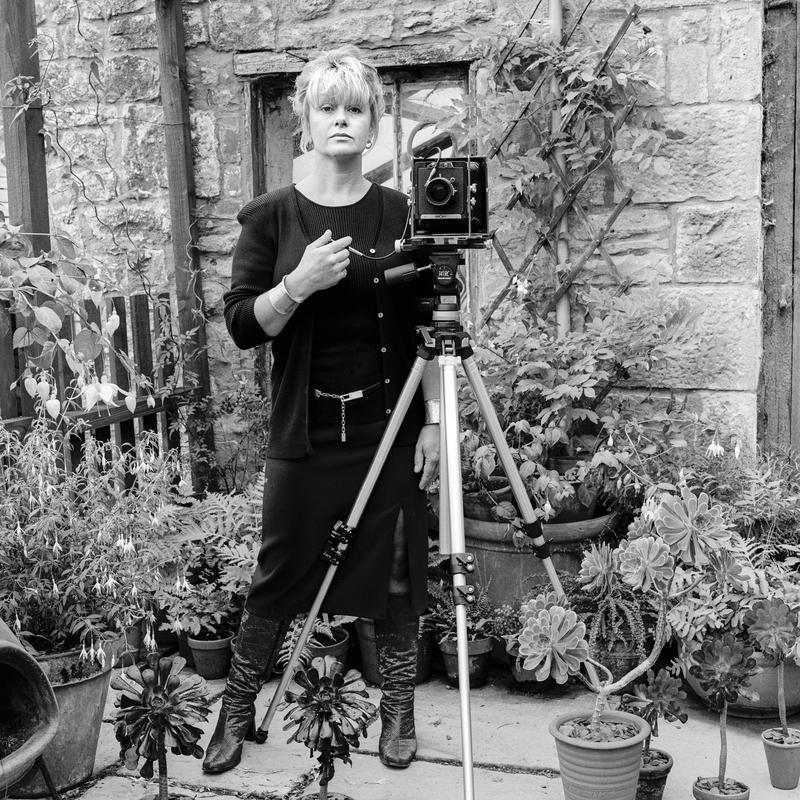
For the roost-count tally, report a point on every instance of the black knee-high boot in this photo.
(396, 641)
(257, 646)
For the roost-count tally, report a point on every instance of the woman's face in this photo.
(339, 127)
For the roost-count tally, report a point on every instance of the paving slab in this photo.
(513, 753)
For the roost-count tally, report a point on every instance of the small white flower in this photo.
(649, 509)
(134, 591)
(98, 587)
(715, 449)
(610, 441)
(737, 450)
(110, 583)
(128, 548)
(55, 589)
(57, 548)
(120, 543)
(548, 510)
(84, 655)
(17, 623)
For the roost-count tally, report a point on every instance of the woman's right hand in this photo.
(324, 264)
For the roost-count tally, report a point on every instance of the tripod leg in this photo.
(451, 478)
(343, 533)
(517, 486)
(51, 787)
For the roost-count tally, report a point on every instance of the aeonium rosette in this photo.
(553, 644)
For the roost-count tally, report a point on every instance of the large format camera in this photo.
(449, 200)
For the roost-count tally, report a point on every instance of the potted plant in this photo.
(479, 629)
(159, 709)
(723, 665)
(207, 559)
(774, 626)
(328, 637)
(76, 550)
(328, 711)
(658, 697)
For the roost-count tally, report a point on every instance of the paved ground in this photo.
(514, 756)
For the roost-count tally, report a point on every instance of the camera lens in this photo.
(439, 192)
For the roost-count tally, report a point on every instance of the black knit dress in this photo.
(304, 497)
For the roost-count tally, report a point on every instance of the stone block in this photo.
(195, 30)
(73, 42)
(53, 11)
(206, 159)
(221, 243)
(369, 27)
(212, 84)
(232, 180)
(687, 72)
(420, 17)
(718, 243)
(735, 68)
(727, 347)
(137, 32)
(242, 25)
(105, 9)
(144, 159)
(312, 9)
(231, 139)
(712, 152)
(128, 77)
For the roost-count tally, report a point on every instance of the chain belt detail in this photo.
(346, 398)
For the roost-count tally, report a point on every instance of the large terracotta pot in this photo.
(508, 571)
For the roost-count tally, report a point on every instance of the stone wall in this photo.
(695, 222)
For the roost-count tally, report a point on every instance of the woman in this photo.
(308, 275)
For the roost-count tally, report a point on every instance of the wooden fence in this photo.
(140, 334)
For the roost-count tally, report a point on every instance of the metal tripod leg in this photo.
(517, 486)
(452, 543)
(343, 532)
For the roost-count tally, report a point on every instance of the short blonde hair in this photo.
(338, 75)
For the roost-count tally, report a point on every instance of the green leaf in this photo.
(48, 317)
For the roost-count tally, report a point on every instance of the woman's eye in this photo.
(326, 108)
(355, 109)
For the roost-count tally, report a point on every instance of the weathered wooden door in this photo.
(779, 389)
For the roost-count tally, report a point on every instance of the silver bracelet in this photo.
(281, 300)
(432, 409)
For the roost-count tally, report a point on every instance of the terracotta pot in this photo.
(713, 794)
(480, 658)
(508, 571)
(337, 648)
(599, 770)
(212, 658)
(783, 760)
(653, 778)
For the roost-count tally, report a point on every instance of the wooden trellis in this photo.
(548, 233)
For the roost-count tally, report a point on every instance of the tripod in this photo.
(450, 343)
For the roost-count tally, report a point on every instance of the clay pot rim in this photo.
(716, 794)
(781, 745)
(618, 716)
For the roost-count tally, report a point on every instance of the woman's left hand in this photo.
(426, 454)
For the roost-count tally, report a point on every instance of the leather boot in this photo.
(396, 641)
(257, 646)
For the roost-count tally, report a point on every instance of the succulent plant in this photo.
(690, 526)
(553, 644)
(598, 569)
(658, 697)
(645, 563)
(329, 712)
(158, 709)
(723, 665)
(775, 628)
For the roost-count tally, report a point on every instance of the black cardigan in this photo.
(271, 244)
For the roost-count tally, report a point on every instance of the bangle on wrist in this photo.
(432, 410)
(281, 300)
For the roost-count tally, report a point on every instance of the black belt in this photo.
(346, 398)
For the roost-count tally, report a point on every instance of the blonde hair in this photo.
(341, 76)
